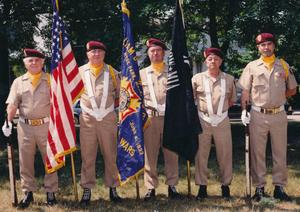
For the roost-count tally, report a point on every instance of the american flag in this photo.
(66, 87)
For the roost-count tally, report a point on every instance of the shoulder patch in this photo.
(291, 72)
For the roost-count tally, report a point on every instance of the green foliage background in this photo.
(228, 25)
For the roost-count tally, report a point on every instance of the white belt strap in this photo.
(160, 108)
(222, 99)
(98, 113)
(215, 119)
(92, 112)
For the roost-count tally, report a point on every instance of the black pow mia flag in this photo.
(182, 125)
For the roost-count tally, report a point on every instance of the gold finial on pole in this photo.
(56, 1)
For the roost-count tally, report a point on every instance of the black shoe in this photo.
(202, 194)
(51, 199)
(86, 197)
(27, 199)
(149, 195)
(225, 192)
(173, 192)
(280, 194)
(113, 195)
(259, 193)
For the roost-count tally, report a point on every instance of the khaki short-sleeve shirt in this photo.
(98, 84)
(267, 88)
(159, 81)
(33, 103)
(215, 89)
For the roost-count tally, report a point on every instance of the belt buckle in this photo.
(270, 111)
(99, 117)
(154, 113)
(214, 122)
(35, 122)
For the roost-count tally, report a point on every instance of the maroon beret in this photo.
(94, 45)
(265, 37)
(33, 53)
(155, 42)
(213, 51)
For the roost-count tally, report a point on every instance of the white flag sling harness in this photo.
(160, 108)
(213, 119)
(98, 113)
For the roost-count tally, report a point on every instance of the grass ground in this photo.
(100, 195)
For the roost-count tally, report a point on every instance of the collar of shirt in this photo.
(269, 61)
(163, 71)
(220, 76)
(158, 66)
(34, 78)
(96, 69)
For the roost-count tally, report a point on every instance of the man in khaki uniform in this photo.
(269, 81)
(98, 120)
(31, 94)
(215, 93)
(154, 82)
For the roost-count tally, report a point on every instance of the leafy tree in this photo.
(17, 25)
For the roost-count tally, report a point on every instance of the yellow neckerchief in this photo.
(34, 78)
(269, 61)
(158, 66)
(96, 69)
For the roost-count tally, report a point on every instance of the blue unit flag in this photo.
(133, 118)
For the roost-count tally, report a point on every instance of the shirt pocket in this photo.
(146, 90)
(44, 95)
(111, 85)
(259, 82)
(279, 80)
(26, 95)
(201, 97)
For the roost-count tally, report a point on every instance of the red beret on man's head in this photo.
(33, 53)
(155, 42)
(263, 37)
(213, 51)
(94, 45)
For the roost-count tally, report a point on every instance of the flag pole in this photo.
(72, 159)
(74, 178)
(188, 162)
(137, 188)
(189, 178)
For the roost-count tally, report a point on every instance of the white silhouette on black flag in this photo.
(182, 124)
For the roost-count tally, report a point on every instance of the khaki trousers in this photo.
(152, 141)
(104, 132)
(223, 145)
(260, 125)
(28, 138)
